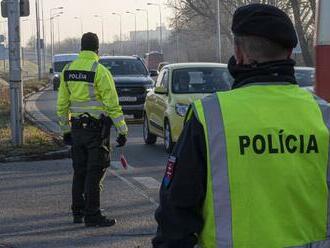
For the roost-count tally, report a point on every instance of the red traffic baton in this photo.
(123, 160)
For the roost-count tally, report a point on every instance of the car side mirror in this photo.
(51, 71)
(153, 73)
(161, 90)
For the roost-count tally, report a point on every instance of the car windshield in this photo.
(305, 77)
(201, 80)
(59, 66)
(124, 66)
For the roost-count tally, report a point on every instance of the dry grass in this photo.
(29, 69)
(35, 140)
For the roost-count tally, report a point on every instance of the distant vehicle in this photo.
(58, 64)
(305, 76)
(153, 59)
(177, 86)
(133, 82)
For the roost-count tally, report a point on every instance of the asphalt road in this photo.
(35, 196)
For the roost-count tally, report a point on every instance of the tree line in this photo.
(195, 21)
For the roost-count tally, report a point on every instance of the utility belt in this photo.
(86, 121)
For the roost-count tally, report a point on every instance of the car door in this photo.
(159, 104)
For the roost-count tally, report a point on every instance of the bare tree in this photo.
(199, 17)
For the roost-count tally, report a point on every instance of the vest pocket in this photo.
(320, 244)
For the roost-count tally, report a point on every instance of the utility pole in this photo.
(160, 25)
(38, 39)
(219, 31)
(44, 48)
(322, 50)
(135, 40)
(15, 77)
(148, 38)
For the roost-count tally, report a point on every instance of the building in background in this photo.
(153, 34)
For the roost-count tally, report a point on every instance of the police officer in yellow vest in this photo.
(87, 93)
(251, 168)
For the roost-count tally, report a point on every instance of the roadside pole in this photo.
(323, 50)
(219, 30)
(15, 77)
(38, 39)
(44, 48)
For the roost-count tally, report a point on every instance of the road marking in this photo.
(148, 182)
(116, 165)
(136, 189)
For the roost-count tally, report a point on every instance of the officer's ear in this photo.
(290, 51)
(239, 55)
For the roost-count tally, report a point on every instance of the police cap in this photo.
(89, 42)
(265, 21)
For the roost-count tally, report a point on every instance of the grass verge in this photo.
(36, 141)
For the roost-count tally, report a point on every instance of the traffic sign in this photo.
(24, 8)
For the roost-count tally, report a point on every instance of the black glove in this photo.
(67, 139)
(121, 140)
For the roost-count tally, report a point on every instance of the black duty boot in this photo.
(99, 221)
(78, 218)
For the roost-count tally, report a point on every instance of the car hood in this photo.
(187, 98)
(132, 79)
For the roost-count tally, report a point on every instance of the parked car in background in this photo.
(305, 77)
(177, 86)
(59, 61)
(133, 82)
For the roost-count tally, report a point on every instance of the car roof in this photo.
(119, 57)
(65, 57)
(193, 65)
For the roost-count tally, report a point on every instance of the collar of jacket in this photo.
(88, 55)
(274, 71)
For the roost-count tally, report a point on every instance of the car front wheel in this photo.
(168, 143)
(148, 137)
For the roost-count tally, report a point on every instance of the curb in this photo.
(34, 92)
(54, 155)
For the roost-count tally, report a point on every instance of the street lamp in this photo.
(51, 18)
(53, 32)
(23, 41)
(120, 31)
(148, 42)
(135, 38)
(81, 24)
(102, 22)
(160, 25)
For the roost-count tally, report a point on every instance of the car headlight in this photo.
(181, 109)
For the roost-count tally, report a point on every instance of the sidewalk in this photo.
(35, 209)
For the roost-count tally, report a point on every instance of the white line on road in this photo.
(136, 189)
(116, 165)
(148, 182)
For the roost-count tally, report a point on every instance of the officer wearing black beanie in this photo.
(87, 104)
(90, 42)
(228, 183)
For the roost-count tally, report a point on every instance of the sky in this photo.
(85, 10)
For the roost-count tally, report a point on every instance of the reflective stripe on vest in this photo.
(86, 104)
(219, 231)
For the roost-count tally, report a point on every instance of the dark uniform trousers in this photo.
(89, 165)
